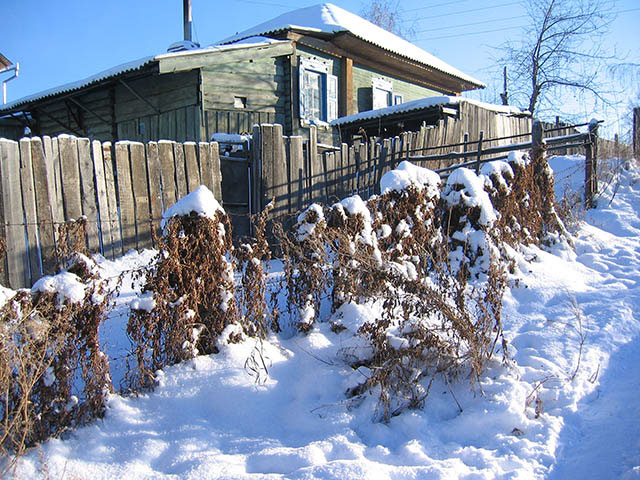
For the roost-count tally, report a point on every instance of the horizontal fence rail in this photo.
(294, 173)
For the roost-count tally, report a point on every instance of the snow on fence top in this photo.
(329, 18)
(422, 104)
(200, 201)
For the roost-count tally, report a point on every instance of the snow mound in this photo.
(200, 201)
(66, 284)
(407, 174)
(464, 186)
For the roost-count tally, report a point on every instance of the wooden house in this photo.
(306, 67)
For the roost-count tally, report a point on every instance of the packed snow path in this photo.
(566, 406)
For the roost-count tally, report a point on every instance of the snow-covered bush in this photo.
(53, 374)
(188, 294)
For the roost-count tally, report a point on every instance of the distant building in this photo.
(308, 66)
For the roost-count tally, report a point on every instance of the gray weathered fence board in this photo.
(125, 194)
(101, 194)
(43, 179)
(155, 185)
(29, 204)
(191, 164)
(70, 176)
(18, 274)
(168, 173)
(140, 188)
(89, 206)
(109, 178)
(181, 176)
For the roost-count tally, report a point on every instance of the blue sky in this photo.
(58, 41)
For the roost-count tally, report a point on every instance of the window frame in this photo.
(327, 91)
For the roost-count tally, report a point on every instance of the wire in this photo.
(436, 5)
(470, 33)
(467, 11)
(469, 24)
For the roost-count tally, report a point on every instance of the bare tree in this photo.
(561, 51)
(388, 14)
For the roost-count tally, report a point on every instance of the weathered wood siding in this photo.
(172, 111)
(362, 91)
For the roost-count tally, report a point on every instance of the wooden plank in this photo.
(17, 254)
(155, 185)
(351, 169)
(313, 166)
(191, 164)
(70, 176)
(181, 174)
(255, 176)
(167, 173)
(29, 204)
(125, 194)
(115, 247)
(216, 173)
(52, 165)
(267, 162)
(42, 177)
(104, 215)
(279, 172)
(206, 174)
(296, 173)
(140, 187)
(89, 205)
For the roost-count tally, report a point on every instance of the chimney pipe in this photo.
(186, 13)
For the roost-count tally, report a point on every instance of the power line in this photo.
(468, 11)
(436, 6)
(469, 24)
(470, 33)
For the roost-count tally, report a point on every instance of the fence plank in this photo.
(155, 185)
(115, 247)
(101, 194)
(266, 135)
(181, 174)
(70, 176)
(29, 204)
(206, 175)
(216, 173)
(125, 194)
(52, 165)
(296, 173)
(42, 177)
(191, 164)
(89, 206)
(18, 274)
(139, 184)
(168, 173)
(279, 171)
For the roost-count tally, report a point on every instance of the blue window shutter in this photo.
(332, 97)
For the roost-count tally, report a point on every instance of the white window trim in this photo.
(329, 91)
(383, 85)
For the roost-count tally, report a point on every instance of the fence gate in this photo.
(236, 185)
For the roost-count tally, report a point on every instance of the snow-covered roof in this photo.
(422, 104)
(129, 67)
(330, 19)
(77, 85)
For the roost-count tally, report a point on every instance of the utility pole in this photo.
(504, 96)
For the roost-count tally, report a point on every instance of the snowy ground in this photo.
(565, 407)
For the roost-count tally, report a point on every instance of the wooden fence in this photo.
(295, 173)
(121, 189)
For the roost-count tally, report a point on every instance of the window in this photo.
(382, 93)
(397, 99)
(318, 92)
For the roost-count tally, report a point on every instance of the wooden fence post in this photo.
(537, 134)
(590, 170)
(479, 154)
